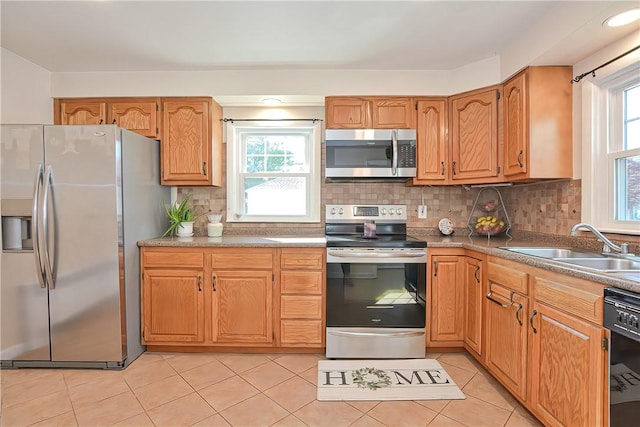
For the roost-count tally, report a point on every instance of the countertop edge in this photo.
(489, 247)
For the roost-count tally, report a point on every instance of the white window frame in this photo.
(236, 160)
(602, 146)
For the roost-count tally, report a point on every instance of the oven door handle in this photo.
(377, 334)
(377, 254)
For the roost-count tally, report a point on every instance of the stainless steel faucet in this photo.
(608, 244)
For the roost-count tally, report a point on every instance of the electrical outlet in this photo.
(422, 211)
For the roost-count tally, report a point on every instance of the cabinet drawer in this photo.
(173, 259)
(300, 307)
(301, 282)
(248, 259)
(511, 277)
(302, 259)
(301, 332)
(579, 297)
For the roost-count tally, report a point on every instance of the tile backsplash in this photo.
(551, 208)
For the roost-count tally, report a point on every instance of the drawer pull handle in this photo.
(214, 283)
(518, 314)
(520, 159)
(535, 312)
(475, 273)
(199, 284)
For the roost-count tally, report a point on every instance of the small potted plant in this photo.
(180, 218)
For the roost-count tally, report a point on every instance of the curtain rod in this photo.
(593, 72)
(271, 120)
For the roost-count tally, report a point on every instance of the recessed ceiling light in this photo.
(271, 101)
(622, 18)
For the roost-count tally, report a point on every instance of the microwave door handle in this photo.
(394, 155)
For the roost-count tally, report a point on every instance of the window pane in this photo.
(276, 153)
(628, 189)
(632, 118)
(282, 196)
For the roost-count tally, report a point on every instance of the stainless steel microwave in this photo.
(370, 153)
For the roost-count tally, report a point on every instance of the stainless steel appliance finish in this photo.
(73, 298)
(622, 317)
(370, 153)
(376, 287)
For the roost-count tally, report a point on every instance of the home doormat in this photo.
(399, 379)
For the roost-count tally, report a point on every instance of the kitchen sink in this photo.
(552, 253)
(603, 264)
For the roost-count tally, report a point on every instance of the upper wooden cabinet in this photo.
(538, 141)
(473, 132)
(190, 130)
(369, 113)
(138, 115)
(432, 142)
(191, 145)
(79, 112)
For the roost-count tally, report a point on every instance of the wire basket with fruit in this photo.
(488, 217)
(489, 226)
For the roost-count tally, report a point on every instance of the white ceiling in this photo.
(85, 36)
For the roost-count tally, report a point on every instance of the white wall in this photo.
(593, 61)
(317, 83)
(25, 91)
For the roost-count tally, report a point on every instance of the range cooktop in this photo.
(394, 241)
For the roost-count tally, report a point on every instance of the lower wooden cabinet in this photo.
(445, 294)
(302, 306)
(173, 306)
(256, 297)
(243, 306)
(506, 337)
(473, 277)
(566, 363)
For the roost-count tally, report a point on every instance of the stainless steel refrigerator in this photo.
(74, 202)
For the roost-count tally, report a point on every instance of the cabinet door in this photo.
(82, 112)
(347, 113)
(392, 113)
(473, 298)
(506, 338)
(173, 306)
(139, 117)
(186, 141)
(474, 135)
(242, 301)
(432, 143)
(515, 126)
(447, 299)
(567, 369)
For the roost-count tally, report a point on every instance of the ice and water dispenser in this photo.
(16, 225)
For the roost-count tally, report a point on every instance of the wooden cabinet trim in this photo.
(173, 259)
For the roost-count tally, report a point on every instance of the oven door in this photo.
(383, 288)
(375, 302)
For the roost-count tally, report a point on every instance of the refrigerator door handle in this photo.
(48, 269)
(35, 229)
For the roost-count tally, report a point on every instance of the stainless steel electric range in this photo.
(376, 283)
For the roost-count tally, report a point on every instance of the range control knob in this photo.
(340, 211)
(399, 211)
(391, 211)
(383, 211)
(332, 211)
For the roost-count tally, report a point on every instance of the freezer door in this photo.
(24, 319)
(83, 212)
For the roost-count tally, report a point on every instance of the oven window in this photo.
(384, 295)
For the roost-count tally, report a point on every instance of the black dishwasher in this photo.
(622, 318)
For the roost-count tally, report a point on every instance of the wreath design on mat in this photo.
(371, 378)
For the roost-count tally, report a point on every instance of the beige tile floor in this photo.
(223, 389)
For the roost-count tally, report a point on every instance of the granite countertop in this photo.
(239, 241)
(628, 281)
